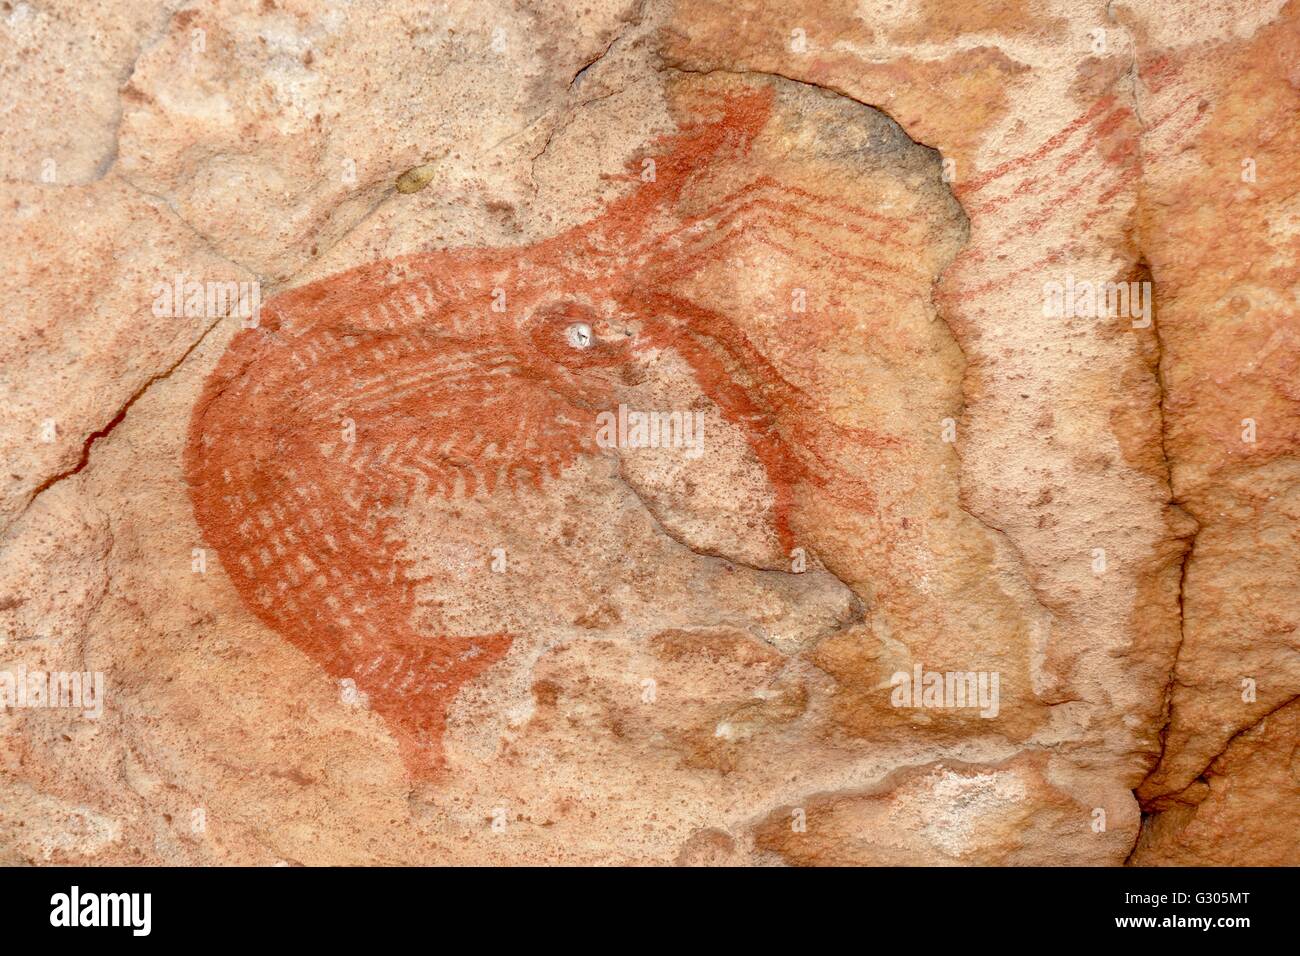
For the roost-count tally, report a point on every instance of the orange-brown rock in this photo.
(698, 433)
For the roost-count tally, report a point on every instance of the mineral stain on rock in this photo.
(416, 178)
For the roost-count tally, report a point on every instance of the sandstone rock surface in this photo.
(335, 334)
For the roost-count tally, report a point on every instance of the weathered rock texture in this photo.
(365, 575)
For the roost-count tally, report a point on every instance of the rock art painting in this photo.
(481, 373)
(655, 433)
(470, 373)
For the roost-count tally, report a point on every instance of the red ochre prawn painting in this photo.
(466, 373)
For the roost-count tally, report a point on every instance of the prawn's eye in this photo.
(579, 336)
(574, 335)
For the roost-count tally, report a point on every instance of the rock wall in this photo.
(660, 432)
